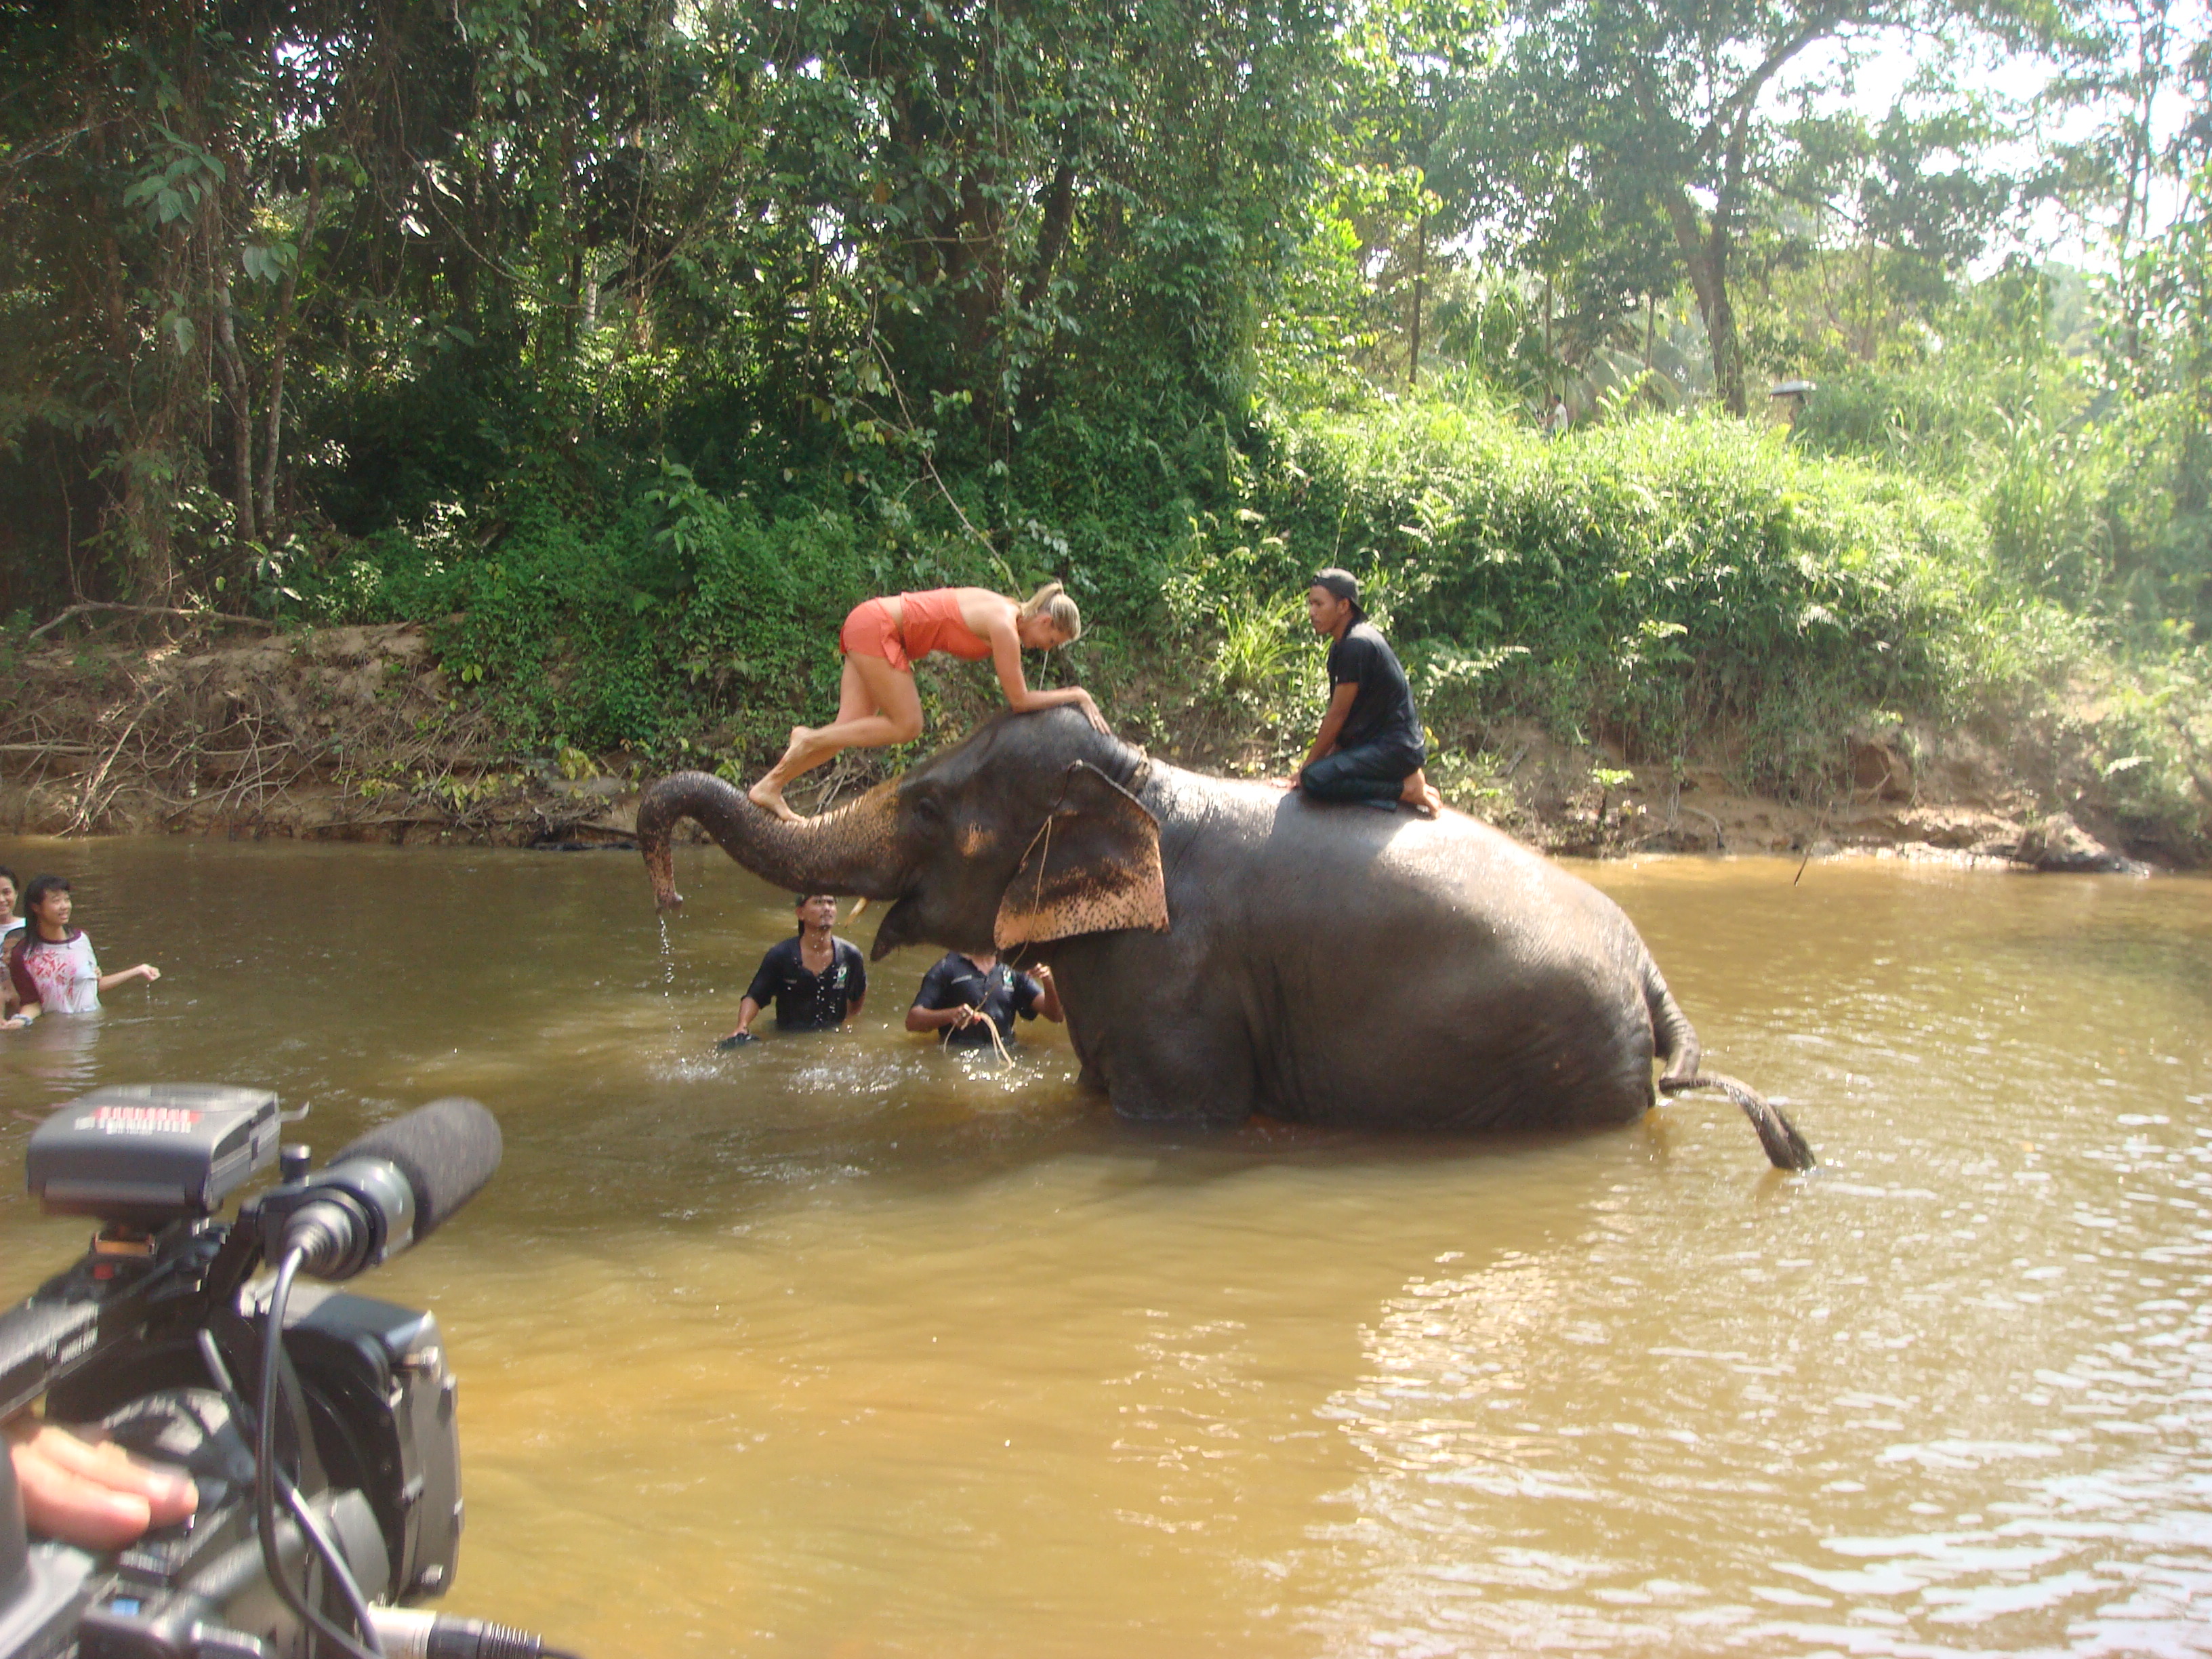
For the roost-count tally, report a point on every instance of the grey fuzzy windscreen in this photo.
(446, 1151)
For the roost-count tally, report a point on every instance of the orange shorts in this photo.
(871, 631)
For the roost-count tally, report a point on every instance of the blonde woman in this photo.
(878, 704)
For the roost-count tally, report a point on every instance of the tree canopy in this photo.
(276, 276)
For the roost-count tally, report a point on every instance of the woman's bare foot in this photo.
(767, 794)
(770, 798)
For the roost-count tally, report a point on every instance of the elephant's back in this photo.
(1329, 857)
(1485, 986)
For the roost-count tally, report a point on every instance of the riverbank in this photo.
(357, 733)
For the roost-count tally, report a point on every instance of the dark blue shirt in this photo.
(804, 1002)
(1002, 994)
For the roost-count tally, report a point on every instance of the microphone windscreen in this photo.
(445, 1152)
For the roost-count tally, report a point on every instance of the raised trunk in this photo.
(851, 850)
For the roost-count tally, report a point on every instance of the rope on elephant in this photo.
(1044, 834)
(997, 1042)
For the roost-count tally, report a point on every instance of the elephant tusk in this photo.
(859, 905)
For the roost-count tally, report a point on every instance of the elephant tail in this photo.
(1673, 1041)
(1785, 1148)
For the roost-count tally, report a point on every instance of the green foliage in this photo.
(1647, 582)
(2090, 497)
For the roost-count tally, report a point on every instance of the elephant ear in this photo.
(1093, 867)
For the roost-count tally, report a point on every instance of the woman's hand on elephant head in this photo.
(1089, 707)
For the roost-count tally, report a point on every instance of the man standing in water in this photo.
(1370, 747)
(816, 980)
(965, 999)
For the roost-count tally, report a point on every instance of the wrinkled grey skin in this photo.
(1325, 964)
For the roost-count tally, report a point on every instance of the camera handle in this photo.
(267, 1475)
(248, 1420)
(392, 1632)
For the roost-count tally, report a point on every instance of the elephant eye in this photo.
(925, 806)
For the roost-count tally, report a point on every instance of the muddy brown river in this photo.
(838, 1346)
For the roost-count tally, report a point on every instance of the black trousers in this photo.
(1375, 771)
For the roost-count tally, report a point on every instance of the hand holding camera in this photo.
(92, 1494)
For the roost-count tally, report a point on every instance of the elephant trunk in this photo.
(850, 850)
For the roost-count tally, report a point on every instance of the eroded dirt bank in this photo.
(346, 733)
(354, 733)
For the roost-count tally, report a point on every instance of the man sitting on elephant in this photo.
(965, 999)
(1369, 748)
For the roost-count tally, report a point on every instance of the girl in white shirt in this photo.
(54, 970)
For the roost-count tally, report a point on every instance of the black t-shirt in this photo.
(804, 1002)
(1002, 994)
(1383, 713)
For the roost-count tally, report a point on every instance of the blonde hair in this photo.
(1052, 601)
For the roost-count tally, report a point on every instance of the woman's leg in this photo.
(877, 706)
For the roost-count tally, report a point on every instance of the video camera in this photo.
(328, 1497)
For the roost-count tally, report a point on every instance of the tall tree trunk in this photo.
(1052, 234)
(1727, 343)
(286, 298)
(237, 396)
(1705, 252)
(1420, 275)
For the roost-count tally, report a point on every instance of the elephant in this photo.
(1224, 948)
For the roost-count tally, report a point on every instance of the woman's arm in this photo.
(22, 1017)
(1006, 658)
(145, 970)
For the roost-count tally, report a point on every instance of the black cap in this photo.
(1342, 583)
